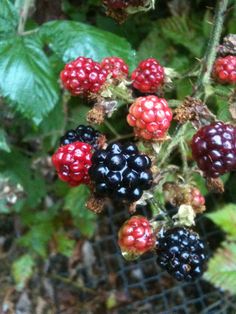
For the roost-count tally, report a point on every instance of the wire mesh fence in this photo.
(147, 288)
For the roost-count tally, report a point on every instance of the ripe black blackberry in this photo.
(121, 172)
(214, 149)
(83, 133)
(181, 253)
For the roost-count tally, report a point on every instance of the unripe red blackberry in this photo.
(83, 133)
(72, 163)
(136, 236)
(120, 172)
(224, 70)
(214, 149)
(150, 116)
(83, 76)
(181, 253)
(116, 67)
(197, 200)
(148, 77)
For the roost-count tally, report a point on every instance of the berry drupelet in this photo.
(83, 76)
(83, 133)
(150, 116)
(136, 236)
(148, 77)
(224, 70)
(121, 172)
(214, 149)
(181, 253)
(116, 67)
(72, 162)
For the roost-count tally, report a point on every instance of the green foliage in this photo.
(26, 78)
(72, 39)
(222, 268)
(22, 270)
(225, 218)
(3, 141)
(8, 19)
(75, 202)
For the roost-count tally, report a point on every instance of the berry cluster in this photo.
(214, 149)
(148, 77)
(121, 172)
(224, 70)
(136, 236)
(83, 76)
(82, 133)
(72, 163)
(181, 253)
(150, 116)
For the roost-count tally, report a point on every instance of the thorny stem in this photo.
(209, 58)
(24, 11)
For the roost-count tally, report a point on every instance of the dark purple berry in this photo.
(120, 172)
(181, 253)
(82, 133)
(214, 149)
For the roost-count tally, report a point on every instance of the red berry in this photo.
(83, 76)
(148, 76)
(136, 236)
(197, 199)
(150, 116)
(224, 70)
(72, 162)
(214, 149)
(116, 66)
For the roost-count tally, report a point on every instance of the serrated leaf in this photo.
(22, 270)
(181, 32)
(75, 202)
(3, 141)
(225, 218)
(223, 112)
(8, 18)
(222, 268)
(73, 39)
(26, 78)
(37, 238)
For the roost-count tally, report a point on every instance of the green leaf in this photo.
(222, 268)
(75, 203)
(26, 78)
(8, 18)
(22, 270)
(72, 39)
(3, 141)
(16, 167)
(225, 218)
(65, 245)
(37, 238)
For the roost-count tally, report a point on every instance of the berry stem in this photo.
(23, 7)
(209, 58)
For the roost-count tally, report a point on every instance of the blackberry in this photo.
(83, 133)
(181, 253)
(121, 172)
(214, 149)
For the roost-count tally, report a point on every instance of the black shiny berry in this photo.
(120, 172)
(214, 149)
(181, 253)
(82, 133)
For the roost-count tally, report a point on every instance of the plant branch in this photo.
(209, 58)
(24, 12)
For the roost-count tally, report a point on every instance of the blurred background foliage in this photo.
(47, 216)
